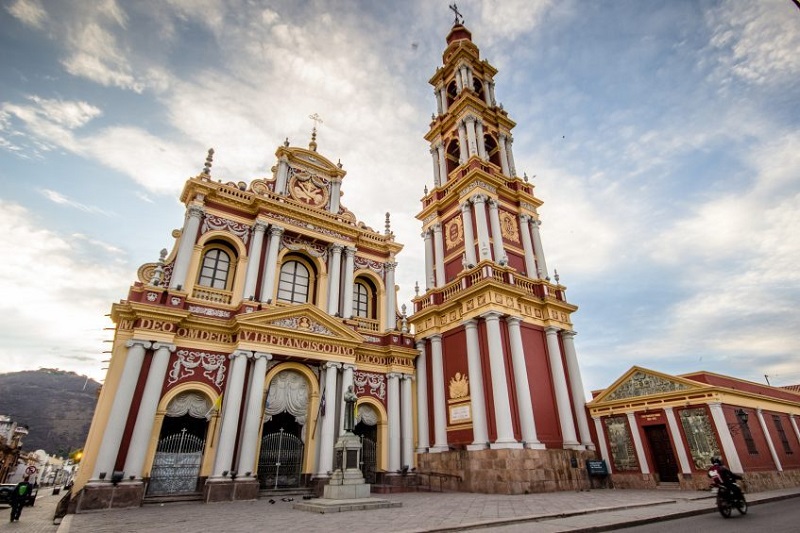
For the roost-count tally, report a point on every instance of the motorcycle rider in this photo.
(727, 477)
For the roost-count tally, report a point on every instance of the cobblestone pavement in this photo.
(36, 519)
(552, 512)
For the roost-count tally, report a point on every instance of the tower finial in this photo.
(313, 144)
(208, 163)
(388, 225)
(459, 18)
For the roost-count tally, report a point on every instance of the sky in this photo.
(662, 137)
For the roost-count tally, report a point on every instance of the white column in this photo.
(470, 82)
(497, 234)
(430, 281)
(677, 441)
(406, 429)
(481, 140)
(118, 417)
(231, 408)
(537, 247)
(253, 259)
(393, 414)
(283, 174)
(391, 295)
(472, 144)
(439, 405)
(271, 263)
(794, 426)
(459, 80)
(484, 251)
(438, 245)
(503, 155)
(438, 95)
(487, 93)
(143, 429)
(497, 367)
(560, 387)
(436, 175)
(423, 435)
(527, 246)
(728, 447)
(491, 89)
(443, 92)
(768, 438)
(336, 194)
(510, 154)
(480, 429)
(347, 381)
(327, 433)
(576, 386)
(601, 437)
(347, 290)
(254, 409)
(442, 164)
(469, 234)
(334, 277)
(637, 444)
(527, 423)
(462, 144)
(194, 213)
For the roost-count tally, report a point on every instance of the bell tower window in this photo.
(453, 156)
(296, 281)
(216, 269)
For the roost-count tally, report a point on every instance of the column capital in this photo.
(393, 375)
(420, 344)
(260, 226)
(491, 315)
(159, 345)
(196, 211)
(349, 366)
(469, 118)
(335, 247)
(247, 354)
(524, 218)
(513, 320)
(502, 136)
(426, 234)
(276, 230)
(331, 364)
(437, 228)
(389, 265)
(478, 198)
(596, 418)
(436, 338)
(407, 377)
(568, 333)
(143, 343)
(470, 324)
(350, 251)
(552, 330)
(259, 355)
(466, 206)
(492, 203)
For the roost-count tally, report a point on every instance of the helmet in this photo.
(716, 461)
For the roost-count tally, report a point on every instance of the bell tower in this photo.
(497, 368)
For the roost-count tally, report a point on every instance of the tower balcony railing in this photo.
(212, 295)
(366, 324)
(489, 272)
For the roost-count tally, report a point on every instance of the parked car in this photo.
(7, 488)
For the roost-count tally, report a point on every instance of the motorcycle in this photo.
(727, 497)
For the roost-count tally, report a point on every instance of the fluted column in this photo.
(438, 245)
(334, 277)
(537, 247)
(347, 381)
(231, 408)
(527, 423)
(143, 429)
(725, 439)
(194, 214)
(442, 164)
(768, 438)
(391, 295)
(601, 438)
(503, 155)
(271, 263)
(393, 414)
(637, 444)
(439, 405)
(480, 429)
(436, 175)
(484, 251)
(677, 441)
(254, 409)
(472, 144)
(576, 386)
(497, 233)
(430, 280)
(120, 407)
(253, 259)
(347, 290)
(406, 429)
(463, 149)
(481, 139)
(469, 234)
(527, 246)
(560, 386)
(327, 433)
(497, 366)
(422, 399)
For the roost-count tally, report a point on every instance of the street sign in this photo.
(30, 470)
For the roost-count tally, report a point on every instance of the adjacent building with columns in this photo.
(500, 397)
(657, 429)
(231, 353)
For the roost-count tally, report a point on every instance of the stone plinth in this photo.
(218, 490)
(322, 505)
(105, 495)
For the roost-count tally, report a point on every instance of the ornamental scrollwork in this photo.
(188, 362)
(641, 384)
(213, 222)
(376, 383)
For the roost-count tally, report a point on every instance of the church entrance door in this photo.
(280, 462)
(369, 450)
(179, 454)
(661, 450)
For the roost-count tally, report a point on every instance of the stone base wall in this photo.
(753, 481)
(507, 471)
(761, 481)
(93, 497)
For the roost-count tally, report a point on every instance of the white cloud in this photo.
(58, 198)
(30, 12)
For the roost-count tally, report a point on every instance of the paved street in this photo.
(553, 512)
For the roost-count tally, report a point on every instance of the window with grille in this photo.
(776, 419)
(748, 438)
(294, 284)
(361, 300)
(215, 270)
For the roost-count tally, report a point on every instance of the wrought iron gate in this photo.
(280, 462)
(369, 460)
(176, 464)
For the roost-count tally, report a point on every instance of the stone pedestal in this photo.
(105, 495)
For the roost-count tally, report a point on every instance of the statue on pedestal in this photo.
(350, 400)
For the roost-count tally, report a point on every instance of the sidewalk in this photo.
(596, 510)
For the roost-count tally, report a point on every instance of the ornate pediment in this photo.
(640, 382)
(294, 320)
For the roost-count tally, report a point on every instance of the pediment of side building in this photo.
(641, 382)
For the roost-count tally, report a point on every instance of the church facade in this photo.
(502, 407)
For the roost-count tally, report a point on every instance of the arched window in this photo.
(492, 150)
(453, 156)
(363, 299)
(215, 271)
(296, 282)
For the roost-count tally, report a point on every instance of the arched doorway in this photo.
(179, 454)
(280, 460)
(367, 429)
